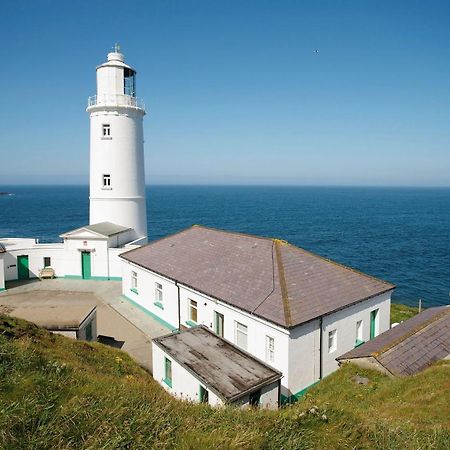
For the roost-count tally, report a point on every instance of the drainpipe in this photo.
(179, 306)
(320, 348)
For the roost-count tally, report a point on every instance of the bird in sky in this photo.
(316, 51)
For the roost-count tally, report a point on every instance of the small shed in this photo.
(407, 348)
(76, 322)
(198, 365)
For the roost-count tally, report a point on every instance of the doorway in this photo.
(23, 271)
(86, 265)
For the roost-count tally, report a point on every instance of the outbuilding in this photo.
(198, 365)
(407, 348)
(77, 322)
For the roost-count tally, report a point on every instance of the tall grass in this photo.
(58, 393)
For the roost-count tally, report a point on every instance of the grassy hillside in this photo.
(59, 393)
(400, 312)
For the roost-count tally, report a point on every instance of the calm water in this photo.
(400, 235)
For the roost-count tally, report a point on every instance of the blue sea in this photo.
(398, 234)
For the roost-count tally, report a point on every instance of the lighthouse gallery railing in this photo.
(115, 100)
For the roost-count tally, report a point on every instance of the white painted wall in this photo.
(257, 328)
(187, 387)
(303, 357)
(146, 293)
(344, 322)
(2, 273)
(121, 155)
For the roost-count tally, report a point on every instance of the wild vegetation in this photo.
(400, 312)
(59, 393)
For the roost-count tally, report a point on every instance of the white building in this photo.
(117, 218)
(198, 365)
(292, 309)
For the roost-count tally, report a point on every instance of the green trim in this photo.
(2, 289)
(152, 315)
(79, 277)
(295, 397)
(358, 343)
(168, 382)
(159, 305)
(134, 290)
(191, 324)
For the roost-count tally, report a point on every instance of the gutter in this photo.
(320, 349)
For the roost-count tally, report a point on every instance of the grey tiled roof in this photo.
(266, 277)
(410, 346)
(223, 367)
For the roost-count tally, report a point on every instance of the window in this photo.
(241, 335)
(47, 261)
(359, 333)
(129, 82)
(255, 398)
(203, 395)
(106, 131)
(158, 292)
(332, 341)
(270, 349)
(158, 295)
(134, 281)
(106, 181)
(168, 372)
(193, 310)
(218, 323)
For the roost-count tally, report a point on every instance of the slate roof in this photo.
(106, 229)
(266, 277)
(410, 346)
(224, 368)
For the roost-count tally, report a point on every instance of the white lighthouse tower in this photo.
(117, 179)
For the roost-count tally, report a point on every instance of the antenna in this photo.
(116, 47)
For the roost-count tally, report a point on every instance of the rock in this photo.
(361, 380)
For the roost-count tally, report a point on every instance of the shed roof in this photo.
(62, 318)
(410, 346)
(105, 229)
(266, 277)
(224, 368)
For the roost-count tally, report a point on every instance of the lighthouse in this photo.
(117, 179)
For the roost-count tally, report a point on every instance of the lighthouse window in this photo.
(106, 130)
(129, 82)
(106, 181)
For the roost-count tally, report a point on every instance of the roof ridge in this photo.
(416, 329)
(341, 265)
(284, 290)
(238, 233)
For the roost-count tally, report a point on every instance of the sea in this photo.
(401, 235)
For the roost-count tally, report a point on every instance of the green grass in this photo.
(58, 393)
(400, 312)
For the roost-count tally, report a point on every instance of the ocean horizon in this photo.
(400, 234)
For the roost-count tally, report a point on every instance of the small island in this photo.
(6, 193)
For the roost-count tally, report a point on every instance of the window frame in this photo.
(134, 281)
(168, 373)
(236, 333)
(106, 131)
(192, 307)
(49, 261)
(270, 352)
(106, 181)
(332, 341)
(216, 322)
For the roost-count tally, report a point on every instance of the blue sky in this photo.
(234, 90)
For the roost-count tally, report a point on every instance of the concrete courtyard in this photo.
(119, 323)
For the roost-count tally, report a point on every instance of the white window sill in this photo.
(106, 188)
(106, 138)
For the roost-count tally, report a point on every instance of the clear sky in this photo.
(235, 92)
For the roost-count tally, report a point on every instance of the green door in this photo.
(373, 323)
(23, 272)
(86, 265)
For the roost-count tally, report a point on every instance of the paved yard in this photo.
(123, 325)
